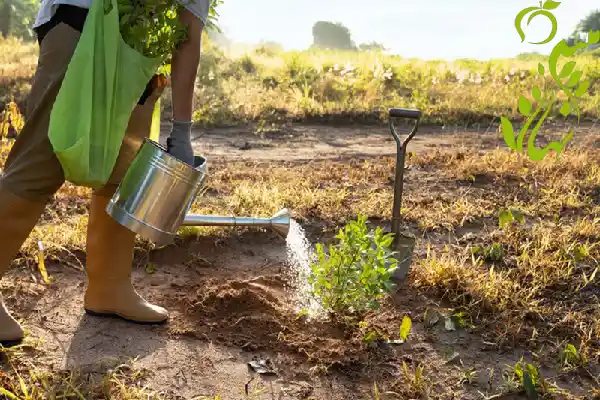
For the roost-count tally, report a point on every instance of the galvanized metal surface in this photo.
(280, 222)
(157, 193)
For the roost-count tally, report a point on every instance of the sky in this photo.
(427, 29)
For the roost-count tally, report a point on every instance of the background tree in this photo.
(213, 16)
(330, 35)
(218, 37)
(589, 23)
(17, 17)
(373, 46)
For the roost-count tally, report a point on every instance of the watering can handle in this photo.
(395, 113)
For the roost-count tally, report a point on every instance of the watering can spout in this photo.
(280, 222)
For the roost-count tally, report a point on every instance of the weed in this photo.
(414, 379)
(571, 357)
(495, 252)
(11, 121)
(469, 376)
(120, 383)
(506, 217)
(371, 334)
(526, 377)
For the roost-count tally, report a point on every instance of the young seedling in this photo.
(356, 273)
(526, 377)
(469, 376)
(572, 358)
(416, 380)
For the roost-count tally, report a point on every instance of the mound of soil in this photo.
(255, 315)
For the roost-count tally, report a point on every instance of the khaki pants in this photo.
(32, 170)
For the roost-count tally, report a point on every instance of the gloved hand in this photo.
(179, 142)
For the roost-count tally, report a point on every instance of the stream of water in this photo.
(299, 257)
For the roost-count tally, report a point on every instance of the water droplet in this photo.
(299, 258)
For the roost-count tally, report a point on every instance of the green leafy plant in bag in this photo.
(151, 27)
(122, 46)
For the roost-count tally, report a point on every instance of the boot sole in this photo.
(10, 343)
(117, 316)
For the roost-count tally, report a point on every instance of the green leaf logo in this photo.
(567, 69)
(565, 109)
(544, 11)
(582, 89)
(567, 79)
(541, 69)
(593, 37)
(574, 79)
(550, 5)
(508, 133)
(524, 106)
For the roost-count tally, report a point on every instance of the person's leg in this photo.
(32, 173)
(109, 257)
(18, 217)
(109, 248)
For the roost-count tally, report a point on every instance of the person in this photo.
(32, 174)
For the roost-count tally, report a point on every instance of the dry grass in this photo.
(532, 284)
(270, 86)
(112, 380)
(109, 378)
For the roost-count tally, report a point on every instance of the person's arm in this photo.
(184, 68)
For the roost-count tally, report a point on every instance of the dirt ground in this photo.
(314, 142)
(229, 304)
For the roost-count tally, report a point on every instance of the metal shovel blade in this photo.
(404, 247)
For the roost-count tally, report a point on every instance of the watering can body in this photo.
(156, 193)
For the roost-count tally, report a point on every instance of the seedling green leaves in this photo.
(530, 378)
(529, 386)
(354, 274)
(570, 355)
(152, 27)
(495, 252)
(506, 217)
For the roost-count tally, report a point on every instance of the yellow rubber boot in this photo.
(17, 219)
(11, 332)
(109, 257)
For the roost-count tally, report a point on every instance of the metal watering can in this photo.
(158, 190)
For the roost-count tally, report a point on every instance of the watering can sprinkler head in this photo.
(279, 222)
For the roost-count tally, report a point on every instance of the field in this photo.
(306, 131)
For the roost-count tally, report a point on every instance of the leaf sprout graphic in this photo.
(543, 9)
(568, 81)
